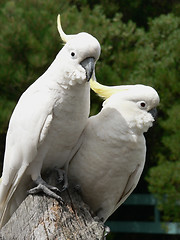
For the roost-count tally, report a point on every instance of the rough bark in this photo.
(43, 218)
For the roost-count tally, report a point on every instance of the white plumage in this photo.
(48, 120)
(110, 160)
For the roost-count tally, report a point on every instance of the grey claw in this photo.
(45, 188)
(64, 188)
(47, 191)
(55, 189)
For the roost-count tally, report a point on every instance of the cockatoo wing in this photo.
(27, 129)
(130, 185)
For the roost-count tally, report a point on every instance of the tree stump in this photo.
(43, 218)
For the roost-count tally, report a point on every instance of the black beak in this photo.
(88, 64)
(154, 113)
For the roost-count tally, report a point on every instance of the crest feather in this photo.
(105, 91)
(65, 38)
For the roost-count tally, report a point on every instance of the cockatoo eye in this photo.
(73, 54)
(142, 104)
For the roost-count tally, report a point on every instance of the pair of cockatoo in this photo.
(50, 128)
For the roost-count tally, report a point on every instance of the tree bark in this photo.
(44, 218)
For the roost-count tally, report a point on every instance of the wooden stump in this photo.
(43, 218)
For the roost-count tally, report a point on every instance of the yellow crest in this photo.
(65, 38)
(105, 91)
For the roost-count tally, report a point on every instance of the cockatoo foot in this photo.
(62, 176)
(42, 186)
(64, 187)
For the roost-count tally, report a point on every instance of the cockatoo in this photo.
(48, 121)
(112, 147)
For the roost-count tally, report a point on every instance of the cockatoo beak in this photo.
(154, 113)
(88, 64)
(65, 38)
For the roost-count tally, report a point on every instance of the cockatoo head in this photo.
(81, 51)
(136, 104)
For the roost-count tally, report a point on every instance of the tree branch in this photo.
(41, 217)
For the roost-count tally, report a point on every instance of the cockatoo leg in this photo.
(42, 186)
(62, 176)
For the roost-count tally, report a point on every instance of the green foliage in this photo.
(139, 11)
(172, 133)
(27, 32)
(158, 65)
(164, 179)
(29, 42)
(164, 183)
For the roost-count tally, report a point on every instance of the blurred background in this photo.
(140, 43)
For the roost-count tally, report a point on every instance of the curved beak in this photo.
(154, 113)
(88, 64)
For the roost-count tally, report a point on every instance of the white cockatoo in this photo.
(48, 121)
(112, 151)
